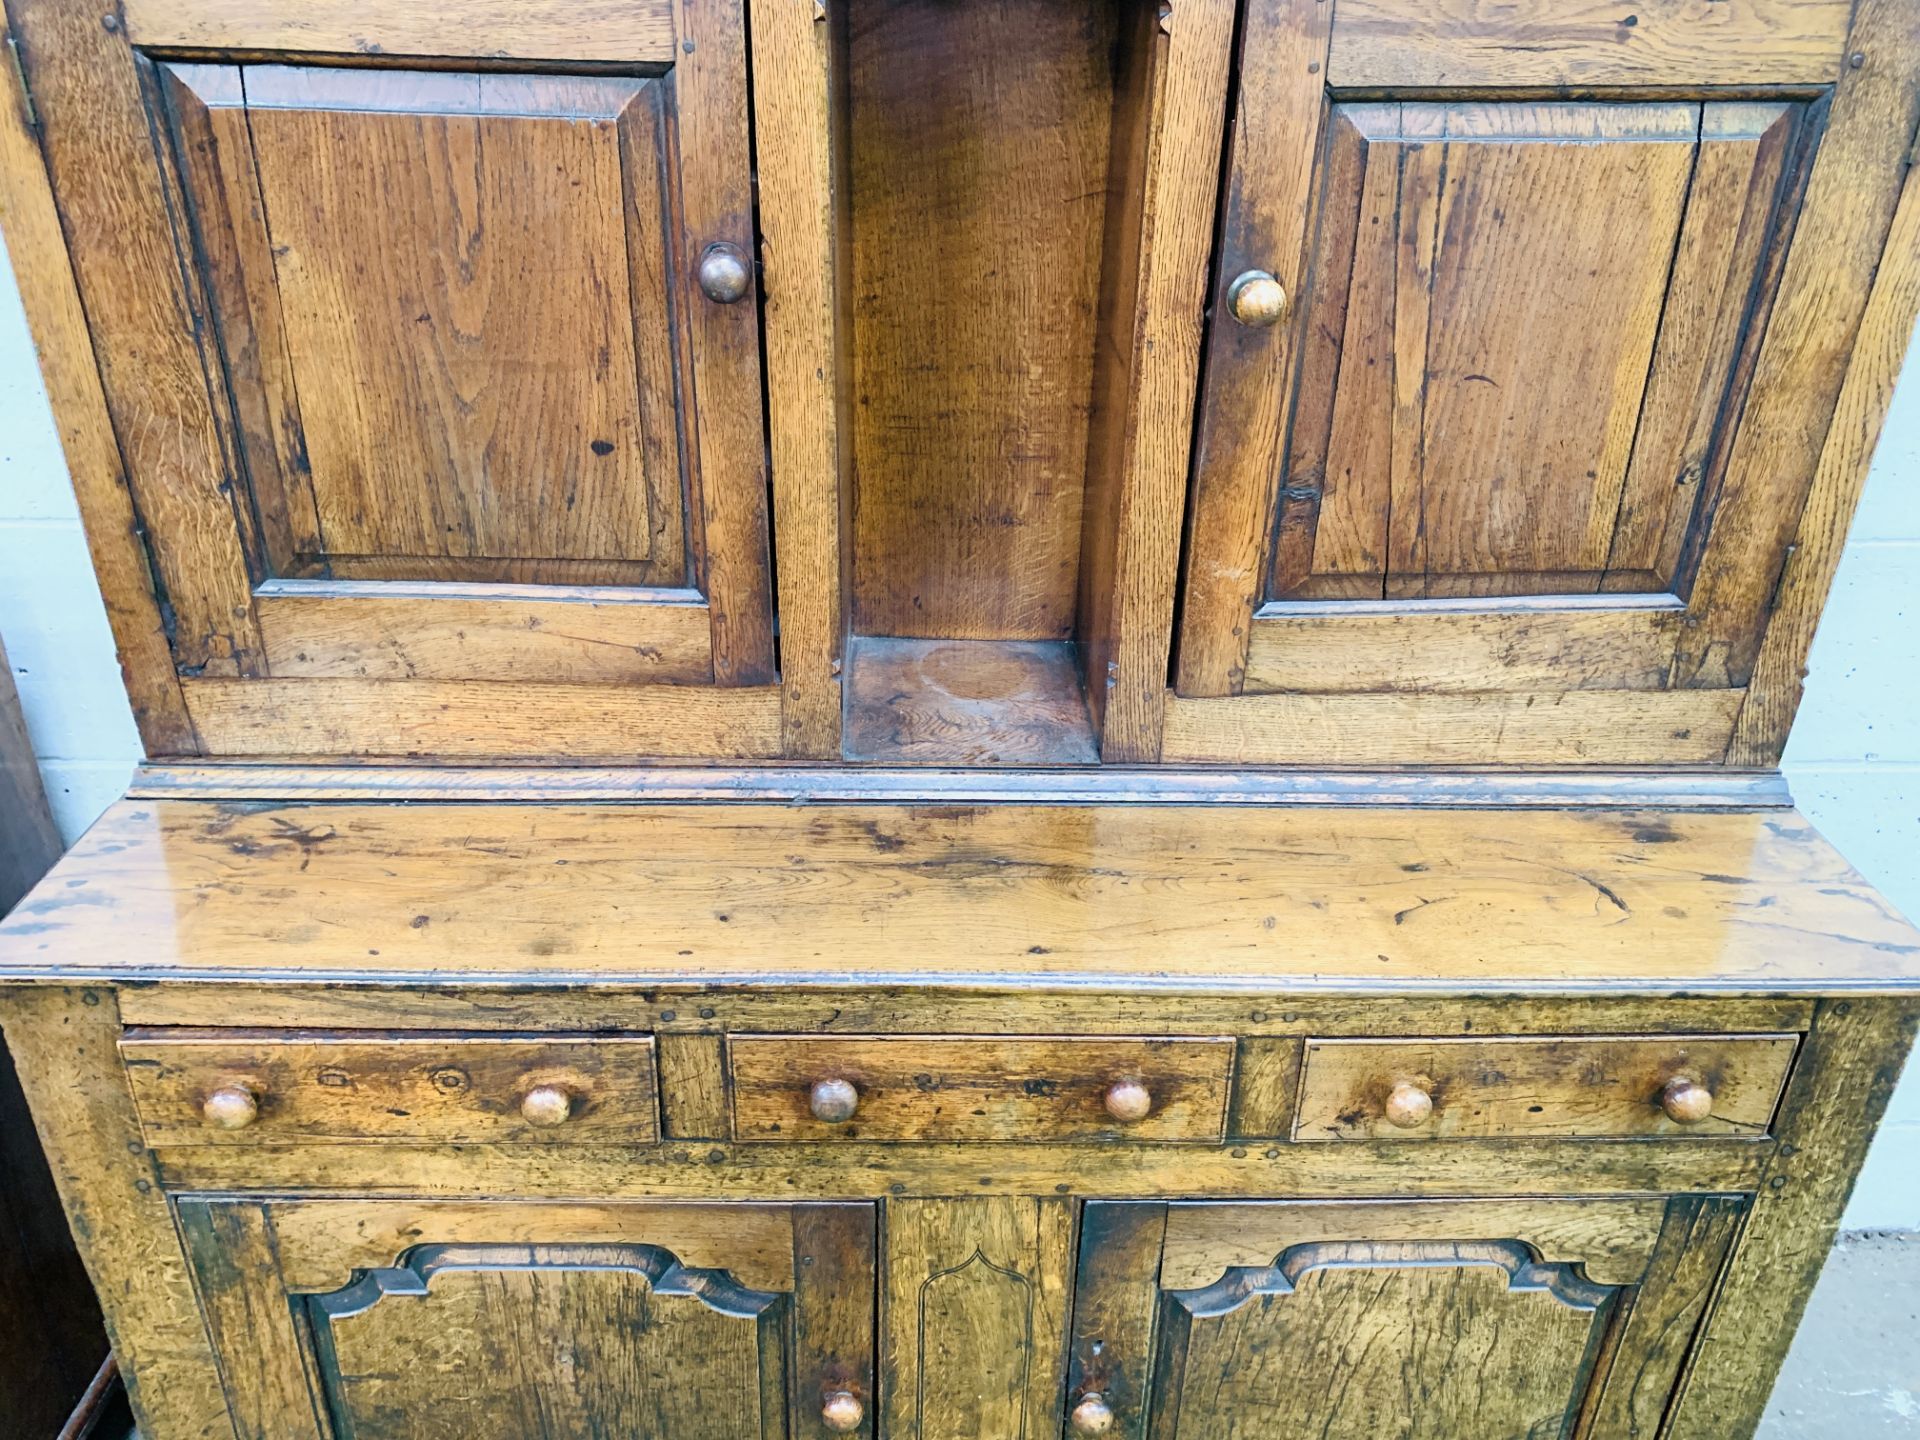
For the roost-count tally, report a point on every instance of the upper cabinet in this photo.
(1526, 334)
(431, 376)
(1321, 383)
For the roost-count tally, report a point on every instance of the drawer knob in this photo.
(1257, 300)
(547, 1106)
(1686, 1100)
(1129, 1101)
(1408, 1106)
(842, 1412)
(833, 1101)
(231, 1107)
(1092, 1416)
(725, 275)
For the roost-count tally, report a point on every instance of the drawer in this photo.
(792, 1087)
(1577, 1085)
(222, 1087)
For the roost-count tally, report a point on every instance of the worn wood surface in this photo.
(320, 1087)
(969, 1089)
(534, 30)
(63, 1042)
(1323, 899)
(979, 158)
(1468, 43)
(975, 1298)
(800, 165)
(71, 377)
(1497, 727)
(966, 702)
(1579, 1085)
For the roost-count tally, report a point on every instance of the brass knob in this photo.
(842, 1412)
(231, 1107)
(1129, 1101)
(547, 1106)
(1686, 1100)
(1092, 1416)
(833, 1101)
(1257, 299)
(725, 275)
(1408, 1106)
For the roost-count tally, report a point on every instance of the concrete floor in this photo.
(1854, 1371)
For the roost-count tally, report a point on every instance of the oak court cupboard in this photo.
(927, 719)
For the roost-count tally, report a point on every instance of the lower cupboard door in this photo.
(1389, 1320)
(537, 1320)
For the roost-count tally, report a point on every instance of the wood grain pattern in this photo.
(1573, 727)
(1823, 293)
(803, 219)
(966, 702)
(1579, 1085)
(63, 1042)
(974, 1311)
(1851, 1062)
(970, 1089)
(1460, 647)
(1774, 688)
(378, 631)
(1166, 897)
(1249, 373)
(71, 377)
(1612, 1240)
(1464, 43)
(1165, 161)
(29, 840)
(531, 30)
(116, 208)
(318, 1087)
(476, 718)
(979, 158)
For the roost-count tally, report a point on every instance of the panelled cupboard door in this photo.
(1360, 1320)
(430, 336)
(1512, 403)
(522, 1320)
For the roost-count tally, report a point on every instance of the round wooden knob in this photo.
(842, 1412)
(1408, 1106)
(547, 1105)
(725, 275)
(1128, 1101)
(231, 1107)
(1686, 1100)
(1257, 299)
(833, 1101)
(1092, 1416)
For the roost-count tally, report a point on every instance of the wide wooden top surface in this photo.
(1179, 897)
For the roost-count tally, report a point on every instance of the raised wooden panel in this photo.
(460, 349)
(1587, 42)
(976, 1298)
(433, 1319)
(1525, 320)
(1358, 1319)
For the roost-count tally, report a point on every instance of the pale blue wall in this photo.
(1854, 759)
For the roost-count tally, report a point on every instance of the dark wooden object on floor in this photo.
(51, 1338)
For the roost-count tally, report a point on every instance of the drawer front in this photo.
(223, 1088)
(964, 1088)
(1583, 1085)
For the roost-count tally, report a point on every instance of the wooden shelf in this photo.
(966, 702)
